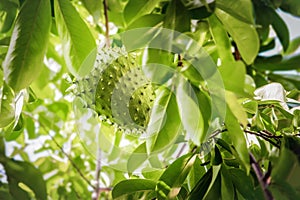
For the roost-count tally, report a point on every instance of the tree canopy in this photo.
(138, 99)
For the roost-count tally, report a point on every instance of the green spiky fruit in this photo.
(118, 90)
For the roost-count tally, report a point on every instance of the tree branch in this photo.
(260, 177)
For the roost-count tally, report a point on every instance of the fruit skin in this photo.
(118, 90)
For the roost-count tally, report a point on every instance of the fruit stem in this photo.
(107, 40)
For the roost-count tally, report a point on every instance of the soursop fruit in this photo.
(117, 90)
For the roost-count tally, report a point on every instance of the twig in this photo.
(98, 172)
(260, 178)
(181, 150)
(262, 136)
(72, 163)
(62, 150)
(107, 41)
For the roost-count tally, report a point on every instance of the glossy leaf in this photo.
(227, 189)
(79, 47)
(241, 10)
(187, 104)
(7, 106)
(202, 186)
(164, 124)
(94, 7)
(221, 39)
(236, 108)
(176, 17)
(149, 20)
(242, 182)
(172, 179)
(197, 171)
(234, 75)
(128, 187)
(136, 8)
(24, 59)
(238, 139)
(24, 172)
(247, 44)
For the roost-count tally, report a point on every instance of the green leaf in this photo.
(227, 189)
(280, 28)
(248, 44)
(242, 182)
(94, 7)
(291, 6)
(7, 106)
(293, 46)
(128, 187)
(275, 63)
(176, 17)
(4, 192)
(234, 71)
(136, 8)
(8, 11)
(241, 10)
(79, 47)
(24, 172)
(202, 186)
(221, 39)
(138, 157)
(174, 176)
(199, 9)
(15, 130)
(236, 108)
(164, 125)
(187, 104)
(149, 20)
(238, 139)
(197, 171)
(26, 51)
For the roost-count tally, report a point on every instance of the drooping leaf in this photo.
(227, 189)
(202, 186)
(7, 105)
(197, 171)
(221, 39)
(24, 172)
(164, 124)
(171, 180)
(79, 47)
(236, 108)
(24, 59)
(247, 44)
(238, 139)
(242, 182)
(128, 187)
(187, 104)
